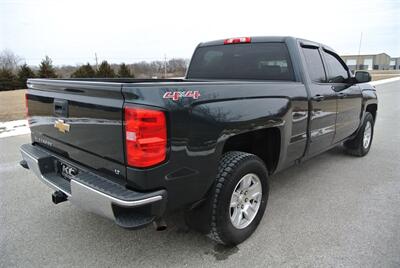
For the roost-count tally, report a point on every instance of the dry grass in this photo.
(12, 105)
(383, 74)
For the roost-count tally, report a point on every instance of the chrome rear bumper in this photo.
(94, 193)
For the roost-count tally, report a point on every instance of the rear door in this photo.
(349, 96)
(81, 121)
(323, 102)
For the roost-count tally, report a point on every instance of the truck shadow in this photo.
(176, 245)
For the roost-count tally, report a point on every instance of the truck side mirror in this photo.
(362, 77)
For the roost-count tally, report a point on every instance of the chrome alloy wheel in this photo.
(367, 135)
(245, 201)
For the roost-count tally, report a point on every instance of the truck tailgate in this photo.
(80, 120)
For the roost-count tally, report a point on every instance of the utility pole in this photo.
(359, 50)
(165, 66)
(95, 57)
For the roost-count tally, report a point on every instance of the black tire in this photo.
(356, 146)
(233, 166)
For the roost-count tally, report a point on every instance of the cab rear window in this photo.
(250, 61)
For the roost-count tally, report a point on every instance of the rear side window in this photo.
(337, 73)
(314, 65)
(252, 61)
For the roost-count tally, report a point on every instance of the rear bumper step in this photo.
(94, 193)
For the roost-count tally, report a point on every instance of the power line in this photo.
(107, 58)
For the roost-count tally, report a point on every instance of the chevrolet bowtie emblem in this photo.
(61, 126)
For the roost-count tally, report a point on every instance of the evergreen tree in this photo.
(85, 71)
(124, 71)
(8, 80)
(24, 72)
(105, 70)
(46, 69)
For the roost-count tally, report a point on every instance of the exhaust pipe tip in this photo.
(160, 224)
(58, 197)
(24, 164)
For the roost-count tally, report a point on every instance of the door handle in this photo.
(341, 95)
(318, 98)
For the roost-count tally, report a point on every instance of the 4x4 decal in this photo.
(176, 95)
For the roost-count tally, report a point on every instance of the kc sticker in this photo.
(176, 95)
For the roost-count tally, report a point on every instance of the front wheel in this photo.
(361, 143)
(239, 197)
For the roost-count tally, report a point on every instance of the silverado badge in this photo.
(61, 126)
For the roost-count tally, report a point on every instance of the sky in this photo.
(72, 31)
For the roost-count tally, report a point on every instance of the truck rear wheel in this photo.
(239, 198)
(361, 143)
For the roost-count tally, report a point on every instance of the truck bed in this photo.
(96, 135)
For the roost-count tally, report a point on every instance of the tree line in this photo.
(14, 75)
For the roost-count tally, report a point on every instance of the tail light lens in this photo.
(145, 137)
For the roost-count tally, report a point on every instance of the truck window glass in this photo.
(314, 64)
(337, 73)
(253, 61)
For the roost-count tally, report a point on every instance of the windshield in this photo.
(251, 61)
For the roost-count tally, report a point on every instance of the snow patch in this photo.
(384, 81)
(14, 128)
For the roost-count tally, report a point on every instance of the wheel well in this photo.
(372, 108)
(264, 143)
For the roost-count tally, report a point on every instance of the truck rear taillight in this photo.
(145, 136)
(237, 40)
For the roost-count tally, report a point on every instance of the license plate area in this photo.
(67, 171)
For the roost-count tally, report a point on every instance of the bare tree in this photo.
(175, 67)
(9, 60)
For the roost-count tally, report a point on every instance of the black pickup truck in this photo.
(134, 150)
